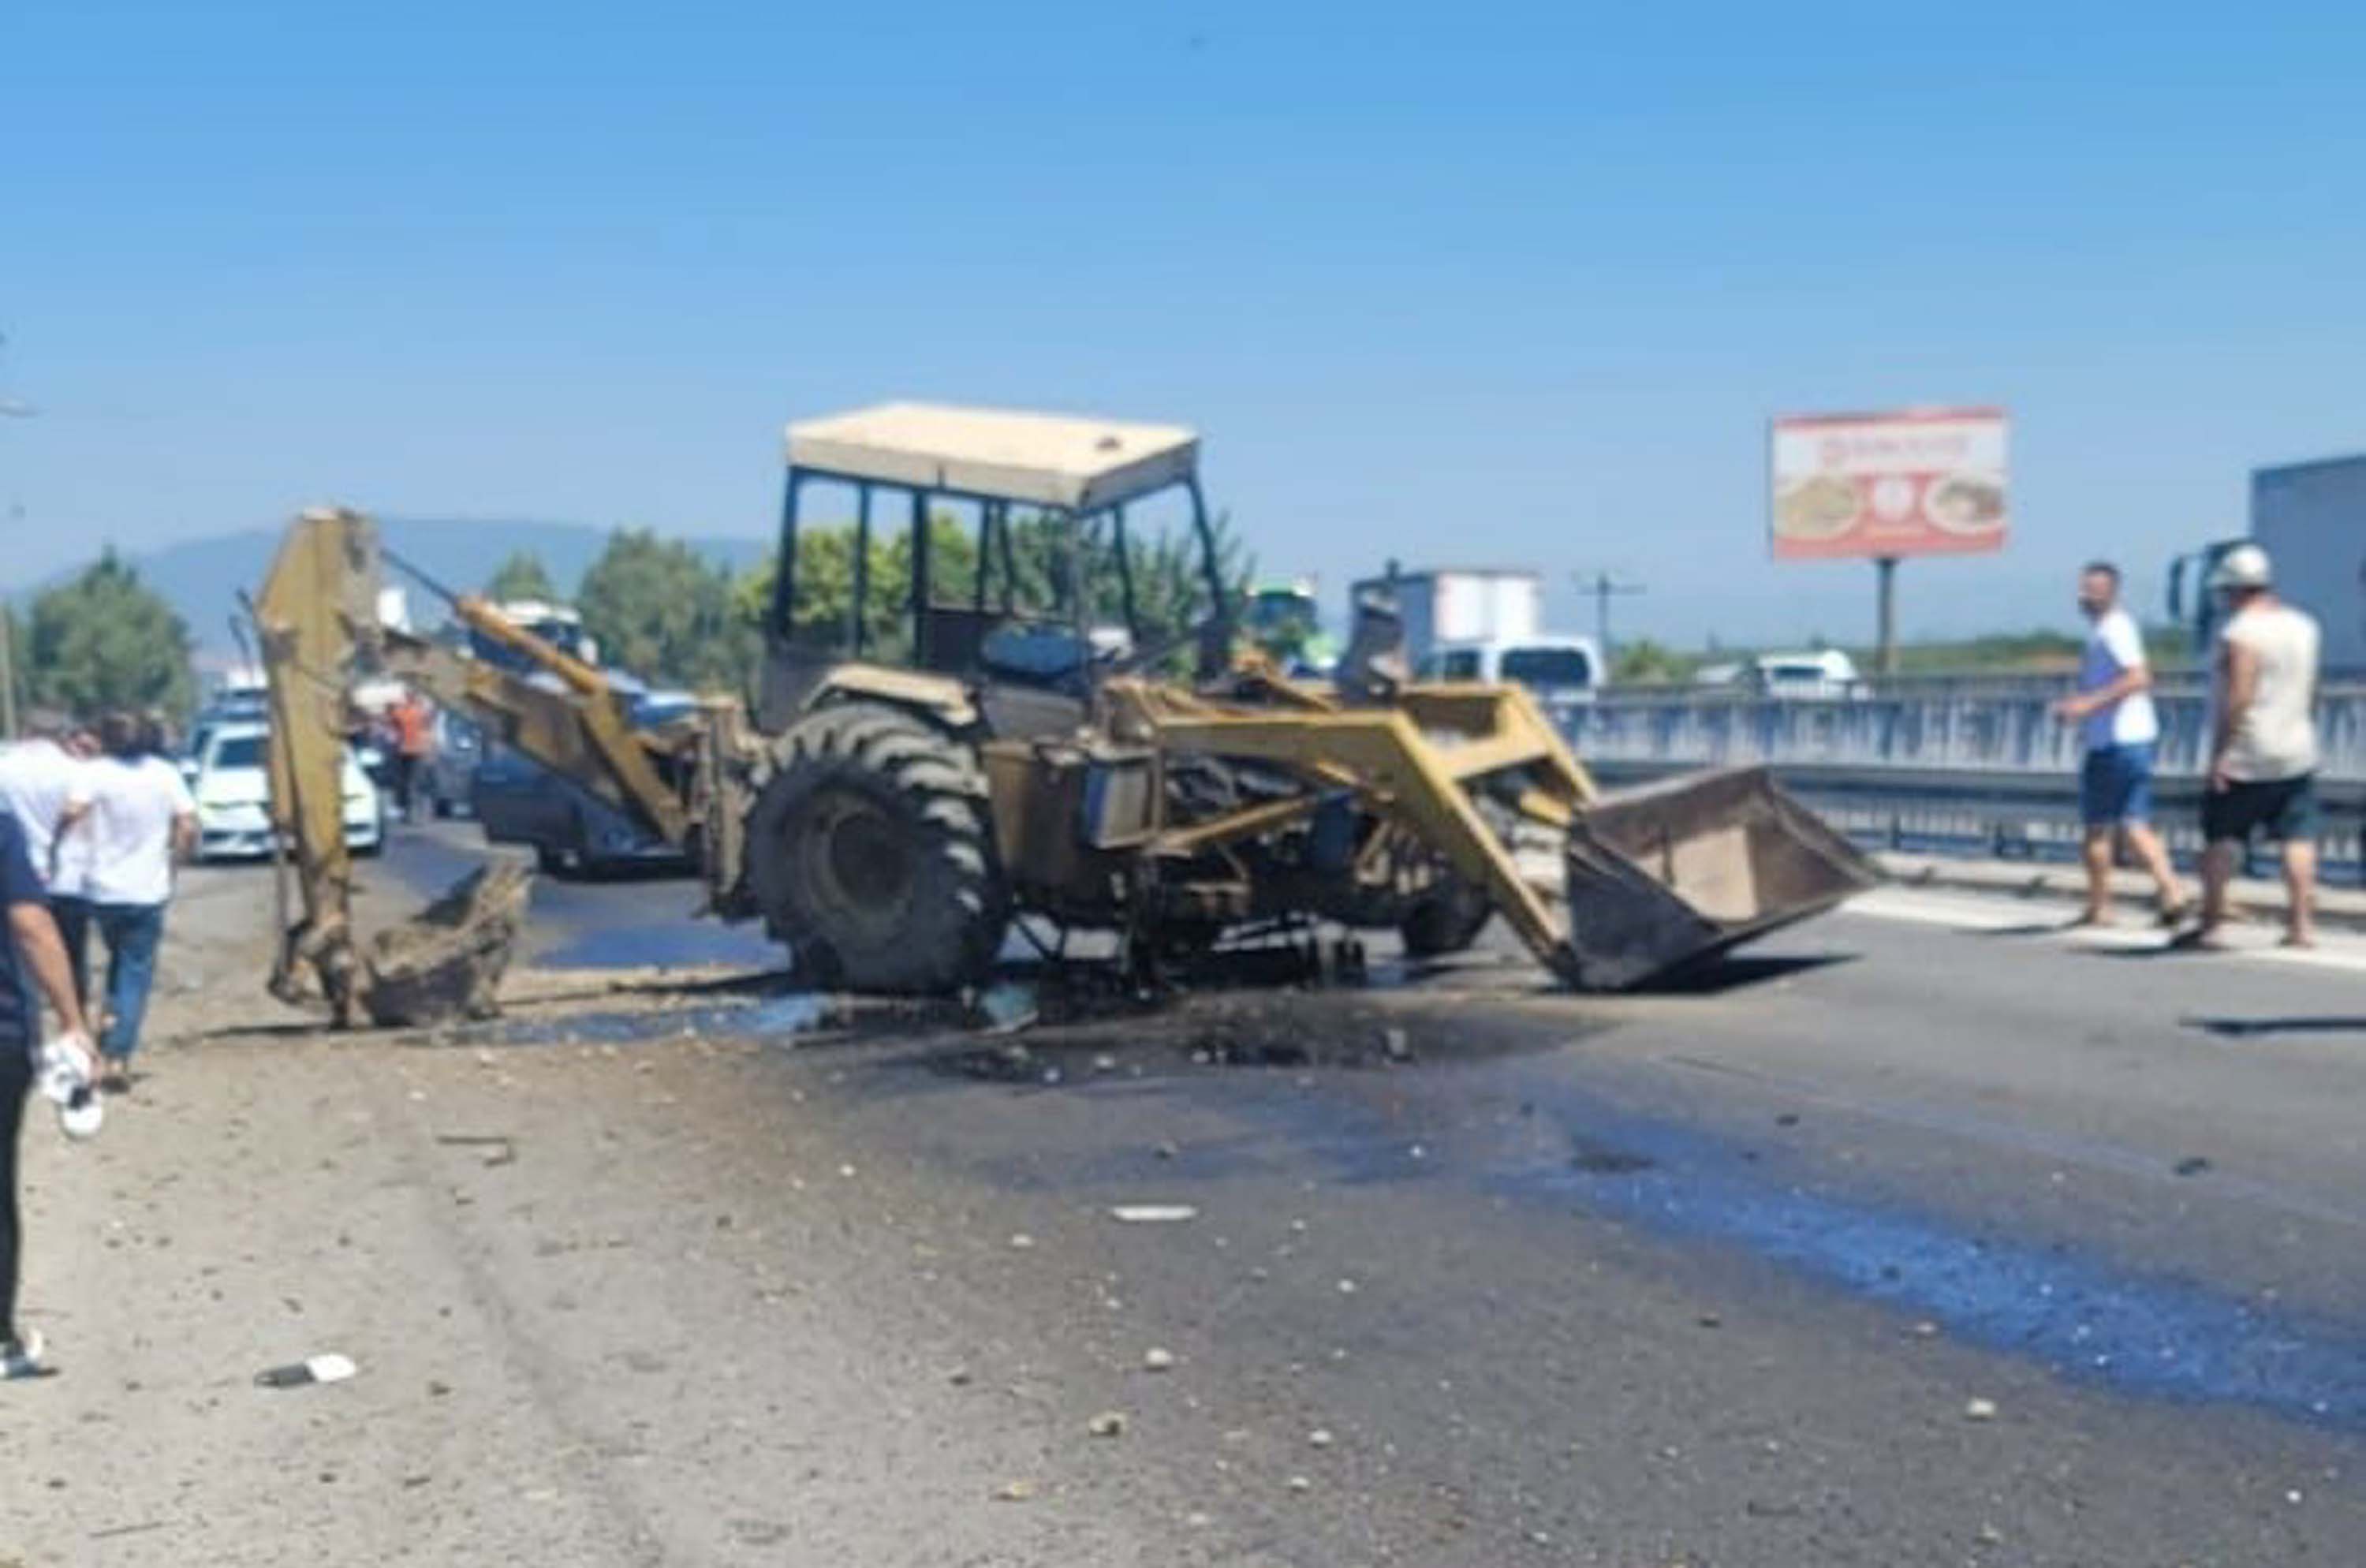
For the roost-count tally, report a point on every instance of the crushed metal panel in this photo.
(1081, 464)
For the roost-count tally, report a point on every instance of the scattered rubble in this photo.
(1153, 1213)
(327, 1367)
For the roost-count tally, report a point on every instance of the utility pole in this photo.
(1885, 615)
(1603, 587)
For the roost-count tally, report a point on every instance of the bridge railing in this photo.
(1955, 730)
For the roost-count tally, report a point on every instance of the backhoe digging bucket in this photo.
(446, 961)
(1667, 875)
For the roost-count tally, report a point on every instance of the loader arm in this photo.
(1405, 778)
(1649, 880)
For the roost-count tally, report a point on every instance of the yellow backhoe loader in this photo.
(982, 721)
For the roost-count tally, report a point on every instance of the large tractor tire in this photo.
(870, 851)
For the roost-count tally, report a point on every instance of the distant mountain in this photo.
(201, 576)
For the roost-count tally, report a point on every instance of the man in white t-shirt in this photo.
(2263, 750)
(2117, 732)
(45, 784)
(141, 821)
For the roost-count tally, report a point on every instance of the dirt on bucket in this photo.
(447, 962)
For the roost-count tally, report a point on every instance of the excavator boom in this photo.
(319, 631)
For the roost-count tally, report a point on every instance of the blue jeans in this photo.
(132, 933)
(2115, 785)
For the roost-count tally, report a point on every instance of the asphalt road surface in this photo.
(1927, 1234)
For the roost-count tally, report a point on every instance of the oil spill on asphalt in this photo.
(2092, 1322)
(676, 943)
(2087, 1319)
(1086, 1037)
(773, 1018)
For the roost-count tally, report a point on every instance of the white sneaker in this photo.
(82, 1112)
(69, 1078)
(22, 1357)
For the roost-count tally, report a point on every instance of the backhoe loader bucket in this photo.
(1667, 875)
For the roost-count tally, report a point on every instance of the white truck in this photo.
(2310, 519)
(1457, 605)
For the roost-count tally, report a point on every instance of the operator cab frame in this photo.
(1080, 476)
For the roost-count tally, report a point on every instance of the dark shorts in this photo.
(2115, 785)
(2284, 808)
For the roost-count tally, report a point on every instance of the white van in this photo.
(1806, 676)
(1559, 670)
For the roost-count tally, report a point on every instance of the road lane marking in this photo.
(1971, 914)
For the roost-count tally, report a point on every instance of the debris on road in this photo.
(795, 1013)
(1108, 1424)
(2191, 1164)
(1979, 1410)
(1320, 1437)
(1014, 1491)
(327, 1366)
(1157, 1359)
(1300, 1484)
(1008, 1007)
(447, 962)
(1021, 1242)
(1154, 1214)
(500, 1149)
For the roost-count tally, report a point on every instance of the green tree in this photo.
(107, 641)
(1641, 661)
(521, 576)
(662, 613)
(1046, 577)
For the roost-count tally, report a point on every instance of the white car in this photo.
(233, 791)
(1559, 670)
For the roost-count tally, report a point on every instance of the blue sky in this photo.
(1516, 283)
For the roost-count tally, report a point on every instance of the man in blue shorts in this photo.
(2117, 732)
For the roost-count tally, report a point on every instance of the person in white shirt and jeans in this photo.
(45, 781)
(141, 821)
(2117, 731)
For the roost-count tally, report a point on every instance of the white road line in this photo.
(1973, 914)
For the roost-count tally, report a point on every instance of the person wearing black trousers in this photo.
(32, 959)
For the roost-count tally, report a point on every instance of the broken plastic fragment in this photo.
(1154, 1214)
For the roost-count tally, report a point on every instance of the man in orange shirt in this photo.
(414, 742)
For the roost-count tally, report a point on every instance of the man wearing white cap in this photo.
(2262, 742)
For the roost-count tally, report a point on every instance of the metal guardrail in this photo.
(1952, 771)
(1950, 733)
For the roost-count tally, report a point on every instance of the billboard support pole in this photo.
(1885, 578)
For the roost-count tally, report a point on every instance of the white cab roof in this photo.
(1032, 458)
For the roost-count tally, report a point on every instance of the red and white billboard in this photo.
(1917, 482)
